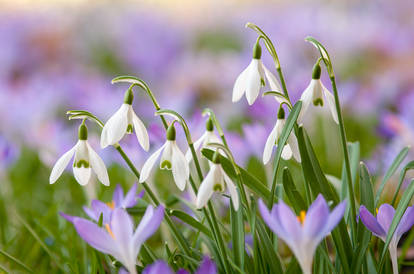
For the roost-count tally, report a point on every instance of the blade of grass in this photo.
(15, 260)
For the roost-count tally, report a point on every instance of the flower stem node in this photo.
(281, 113)
(129, 96)
(257, 51)
(83, 132)
(316, 71)
(210, 125)
(171, 133)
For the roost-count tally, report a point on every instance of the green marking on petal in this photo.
(81, 163)
(218, 187)
(317, 102)
(166, 165)
(262, 82)
(130, 129)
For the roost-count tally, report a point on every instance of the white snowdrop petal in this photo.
(140, 131)
(293, 143)
(206, 188)
(306, 99)
(197, 146)
(82, 175)
(115, 128)
(180, 168)
(253, 83)
(270, 143)
(240, 85)
(60, 165)
(232, 190)
(98, 166)
(166, 157)
(286, 152)
(149, 164)
(330, 102)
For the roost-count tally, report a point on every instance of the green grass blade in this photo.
(406, 168)
(237, 236)
(295, 198)
(15, 260)
(190, 221)
(391, 170)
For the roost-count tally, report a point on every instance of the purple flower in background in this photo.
(304, 233)
(207, 266)
(380, 225)
(117, 237)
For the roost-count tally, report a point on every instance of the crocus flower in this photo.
(207, 266)
(216, 180)
(123, 122)
(206, 138)
(291, 146)
(117, 238)
(380, 225)
(304, 233)
(252, 79)
(172, 159)
(86, 160)
(315, 93)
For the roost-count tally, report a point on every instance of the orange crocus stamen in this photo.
(302, 216)
(109, 231)
(376, 210)
(111, 204)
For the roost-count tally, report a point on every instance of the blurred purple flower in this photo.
(207, 266)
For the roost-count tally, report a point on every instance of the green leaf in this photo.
(406, 168)
(271, 257)
(366, 189)
(354, 155)
(292, 193)
(248, 179)
(15, 260)
(399, 212)
(190, 221)
(237, 235)
(391, 170)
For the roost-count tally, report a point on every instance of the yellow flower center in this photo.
(111, 204)
(109, 231)
(302, 216)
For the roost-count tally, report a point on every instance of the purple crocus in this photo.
(303, 233)
(207, 266)
(380, 225)
(117, 238)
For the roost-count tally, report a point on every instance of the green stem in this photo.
(177, 235)
(282, 81)
(346, 156)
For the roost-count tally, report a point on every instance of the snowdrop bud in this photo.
(129, 96)
(216, 157)
(281, 113)
(171, 133)
(257, 51)
(83, 132)
(209, 125)
(316, 71)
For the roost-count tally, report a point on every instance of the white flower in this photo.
(216, 180)
(172, 159)
(206, 138)
(122, 122)
(291, 146)
(85, 160)
(252, 78)
(315, 94)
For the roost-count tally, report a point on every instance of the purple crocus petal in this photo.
(123, 271)
(182, 271)
(122, 227)
(148, 225)
(118, 195)
(91, 214)
(370, 222)
(334, 218)
(406, 222)
(207, 266)
(141, 194)
(67, 217)
(157, 268)
(316, 217)
(272, 220)
(100, 207)
(289, 221)
(130, 199)
(385, 215)
(95, 236)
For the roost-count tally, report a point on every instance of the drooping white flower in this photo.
(122, 122)
(208, 137)
(314, 95)
(85, 160)
(253, 78)
(172, 159)
(291, 146)
(216, 180)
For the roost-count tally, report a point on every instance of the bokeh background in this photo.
(57, 56)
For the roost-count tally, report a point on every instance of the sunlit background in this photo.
(62, 55)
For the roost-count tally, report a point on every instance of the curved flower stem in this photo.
(177, 235)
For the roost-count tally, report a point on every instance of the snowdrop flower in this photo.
(123, 122)
(117, 237)
(172, 159)
(216, 180)
(291, 146)
(315, 93)
(206, 138)
(252, 79)
(303, 233)
(85, 160)
(380, 225)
